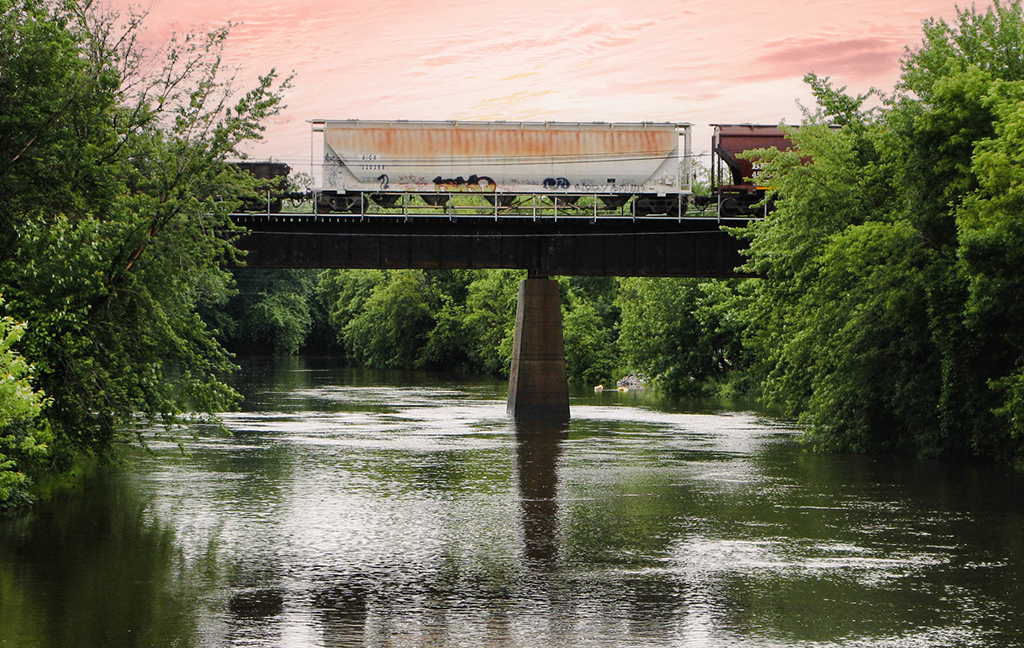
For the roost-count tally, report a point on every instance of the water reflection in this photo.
(88, 570)
(346, 510)
(538, 448)
(342, 610)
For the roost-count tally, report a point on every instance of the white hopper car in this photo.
(635, 168)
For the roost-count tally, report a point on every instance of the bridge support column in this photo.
(538, 387)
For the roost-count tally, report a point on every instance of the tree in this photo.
(394, 322)
(591, 354)
(491, 319)
(889, 315)
(460, 320)
(23, 440)
(273, 310)
(343, 294)
(117, 192)
(670, 331)
(991, 235)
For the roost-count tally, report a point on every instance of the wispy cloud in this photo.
(857, 59)
(611, 60)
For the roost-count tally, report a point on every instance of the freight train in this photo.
(734, 177)
(522, 168)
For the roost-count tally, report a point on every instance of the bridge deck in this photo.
(574, 245)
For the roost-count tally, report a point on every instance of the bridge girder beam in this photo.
(687, 248)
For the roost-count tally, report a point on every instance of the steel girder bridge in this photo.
(544, 246)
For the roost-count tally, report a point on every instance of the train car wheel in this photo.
(729, 208)
(357, 204)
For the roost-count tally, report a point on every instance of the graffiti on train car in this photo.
(556, 183)
(586, 187)
(475, 184)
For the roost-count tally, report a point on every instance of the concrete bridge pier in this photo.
(538, 387)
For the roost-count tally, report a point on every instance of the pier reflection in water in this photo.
(538, 448)
(359, 509)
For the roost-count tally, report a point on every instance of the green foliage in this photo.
(449, 344)
(490, 319)
(991, 235)
(394, 321)
(591, 352)
(875, 388)
(343, 294)
(675, 332)
(446, 346)
(23, 440)
(18, 400)
(889, 316)
(686, 334)
(273, 311)
(114, 183)
(453, 320)
(462, 320)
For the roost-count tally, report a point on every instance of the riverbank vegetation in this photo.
(677, 332)
(888, 314)
(114, 181)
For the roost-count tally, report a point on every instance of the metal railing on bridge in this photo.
(497, 206)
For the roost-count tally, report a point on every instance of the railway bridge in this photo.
(544, 246)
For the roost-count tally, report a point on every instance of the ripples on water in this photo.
(347, 510)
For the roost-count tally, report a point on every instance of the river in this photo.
(351, 508)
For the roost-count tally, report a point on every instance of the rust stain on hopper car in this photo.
(401, 143)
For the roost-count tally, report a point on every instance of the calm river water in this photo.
(358, 509)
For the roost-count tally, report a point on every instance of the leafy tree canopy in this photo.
(116, 189)
(890, 313)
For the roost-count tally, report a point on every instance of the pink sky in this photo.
(697, 61)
